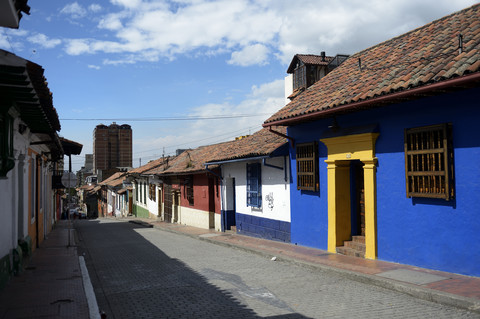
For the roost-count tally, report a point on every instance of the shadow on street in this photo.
(132, 278)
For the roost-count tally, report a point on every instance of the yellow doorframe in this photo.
(341, 150)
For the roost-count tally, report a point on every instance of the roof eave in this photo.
(437, 88)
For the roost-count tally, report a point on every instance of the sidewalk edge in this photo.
(89, 293)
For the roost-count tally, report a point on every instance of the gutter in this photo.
(237, 160)
(370, 103)
(212, 172)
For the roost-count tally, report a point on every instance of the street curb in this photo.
(427, 294)
(94, 312)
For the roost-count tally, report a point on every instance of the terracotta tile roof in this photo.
(86, 187)
(191, 161)
(150, 165)
(115, 180)
(415, 60)
(308, 59)
(261, 143)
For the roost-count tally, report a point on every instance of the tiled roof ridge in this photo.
(406, 34)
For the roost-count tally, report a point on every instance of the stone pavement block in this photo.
(456, 290)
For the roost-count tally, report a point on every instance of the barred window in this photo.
(429, 161)
(152, 192)
(307, 166)
(299, 77)
(189, 190)
(254, 185)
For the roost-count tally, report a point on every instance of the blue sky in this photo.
(148, 63)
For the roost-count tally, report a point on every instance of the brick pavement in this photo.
(148, 273)
(51, 286)
(453, 289)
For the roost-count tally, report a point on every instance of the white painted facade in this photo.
(275, 189)
(218, 222)
(14, 192)
(194, 217)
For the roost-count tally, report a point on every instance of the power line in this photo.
(8, 40)
(227, 135)
(156, 119)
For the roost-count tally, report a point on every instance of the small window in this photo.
(144, 193)
(254, 185)
(299, 77)
(429, 161)
(136, 192)
(152, 192)
(307, 166)
(189, 190)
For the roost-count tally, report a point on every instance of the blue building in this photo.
(385, 150)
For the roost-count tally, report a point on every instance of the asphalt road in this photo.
(142, 272)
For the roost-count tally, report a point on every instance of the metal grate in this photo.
(429, 162)
(189, 190)
(307, 166)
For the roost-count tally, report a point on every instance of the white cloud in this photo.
(112, 21)
(250, 55)
(95, 67)
(74, 10)
(77, 47)
(127, 3)
(95, 7)
(253, 31)
(44, 41)
(263, 99)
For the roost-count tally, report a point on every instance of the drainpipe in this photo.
(212, 172)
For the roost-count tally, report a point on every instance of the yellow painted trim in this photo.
(339, 215)
(340, 151)
(351, 147)
(332, 208)
(369, 171)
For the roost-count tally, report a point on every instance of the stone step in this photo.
(355, 246)
(359, 239)
(350, 252)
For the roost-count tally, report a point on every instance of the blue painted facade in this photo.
(429, 233)
(263, 227)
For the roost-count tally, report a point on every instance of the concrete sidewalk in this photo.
(437, 286)
(51, 285)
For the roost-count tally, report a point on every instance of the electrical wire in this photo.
(156, 119)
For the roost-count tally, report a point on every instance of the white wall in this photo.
(288, 87)
(14, 196)
(194, 217)
(274, 186)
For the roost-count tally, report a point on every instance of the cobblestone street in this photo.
(142, 272)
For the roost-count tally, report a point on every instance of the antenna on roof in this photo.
(460, 43)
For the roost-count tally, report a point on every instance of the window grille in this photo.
(152, 189)
(307, 166)
(299, 77)
(189, 191)
(254, 185)
(429, 162)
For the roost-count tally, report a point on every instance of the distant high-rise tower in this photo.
(112, 146)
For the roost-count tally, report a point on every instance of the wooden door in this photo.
(168, 203)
